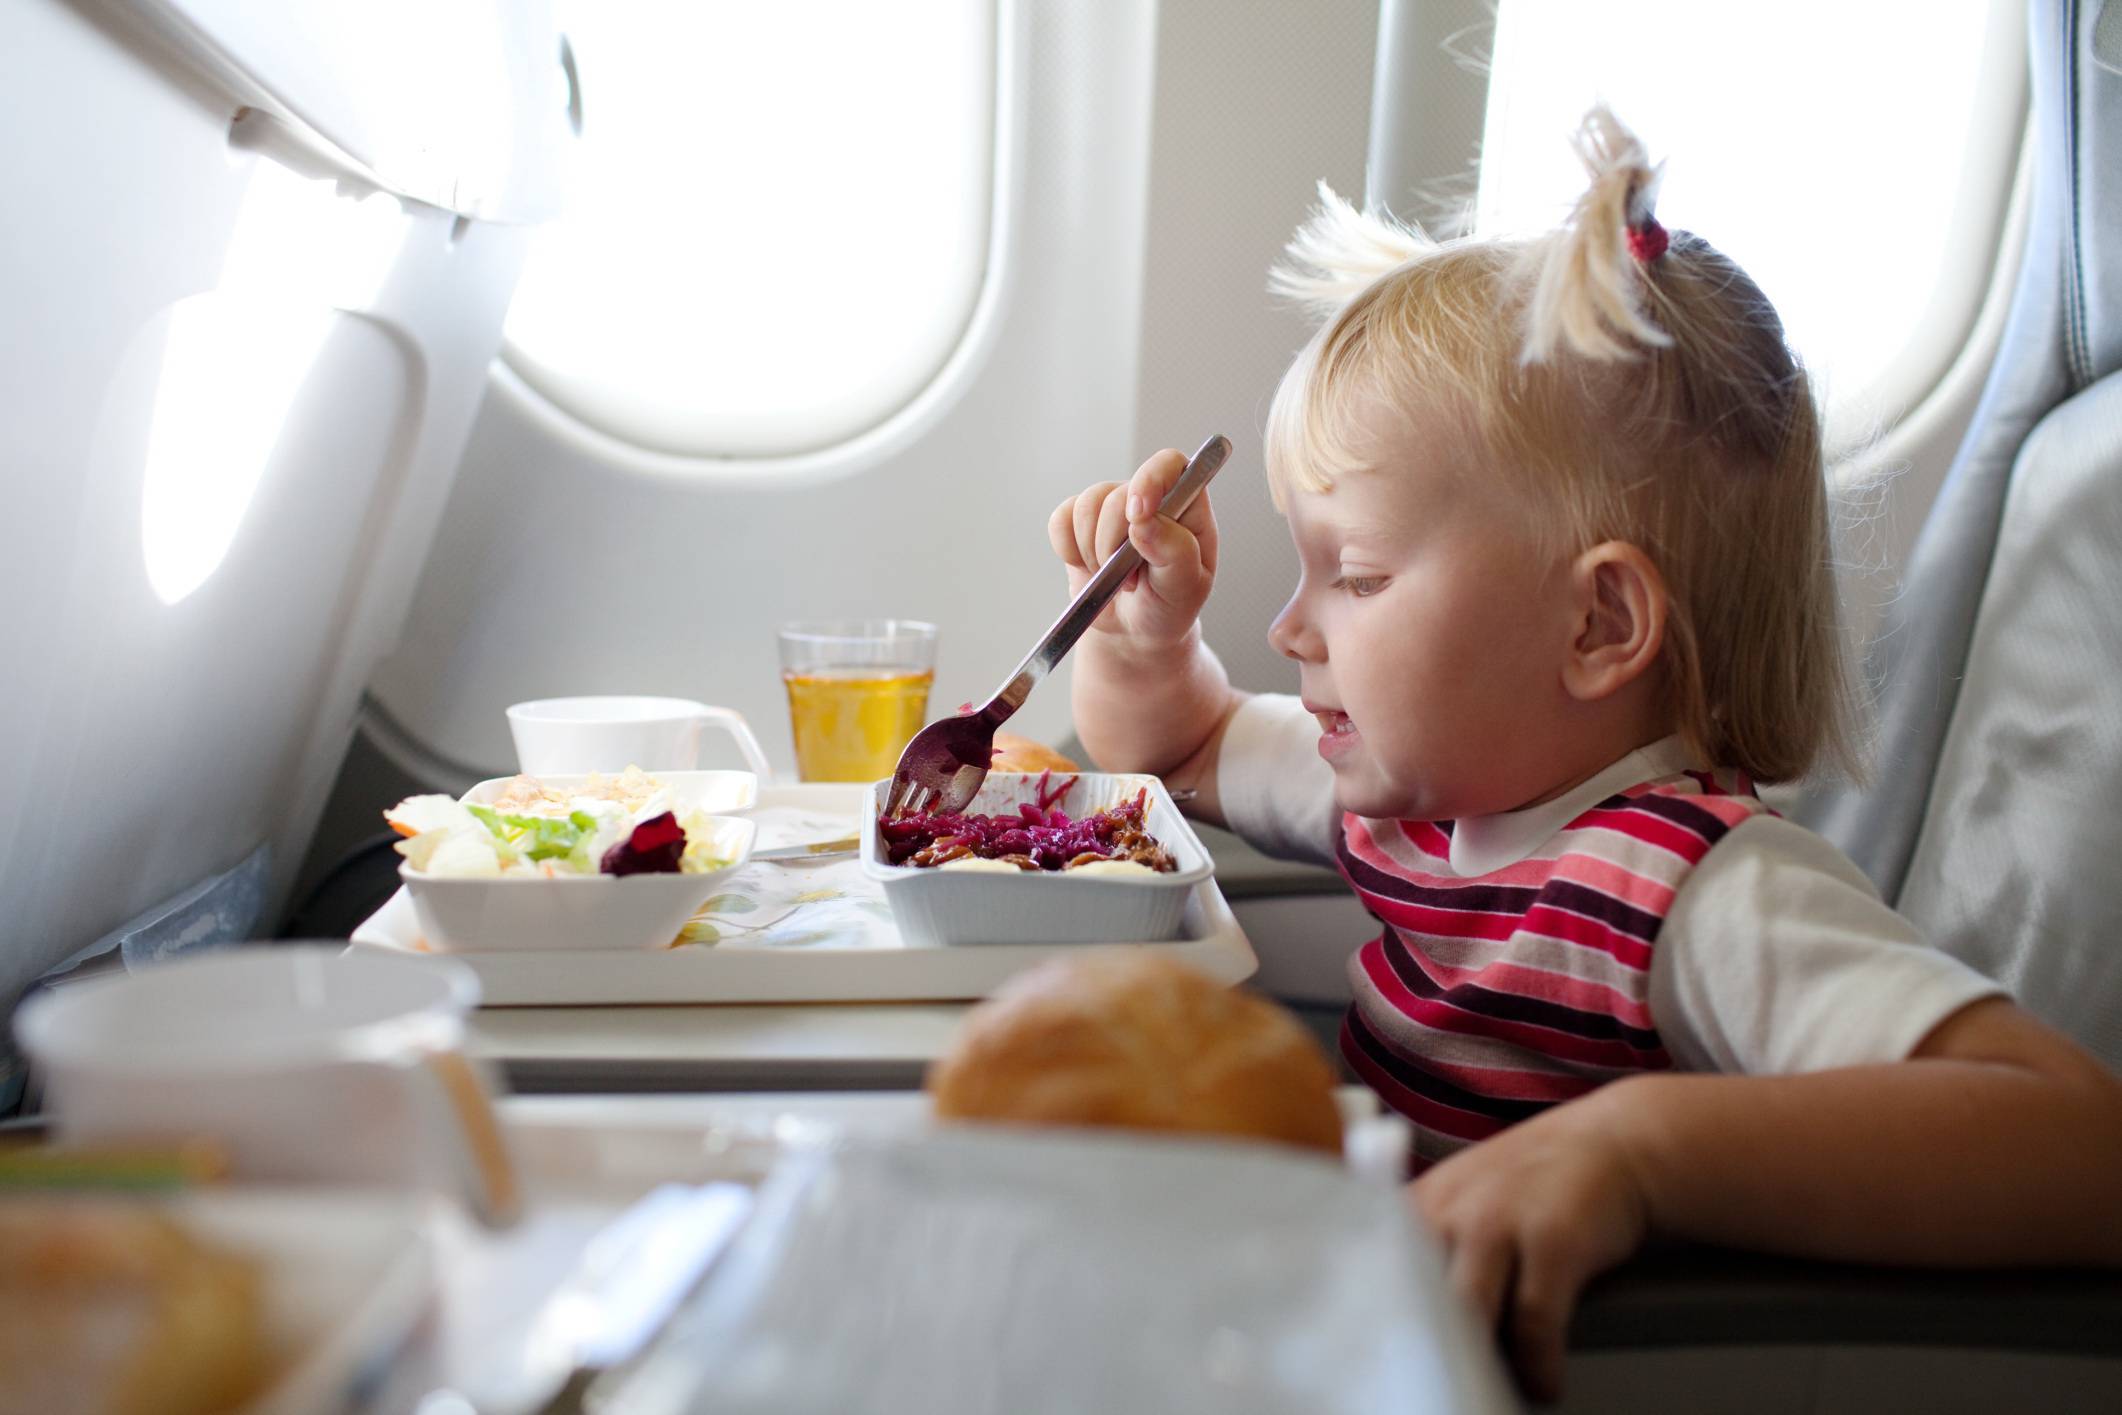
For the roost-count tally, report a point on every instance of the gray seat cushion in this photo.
(2018, 868)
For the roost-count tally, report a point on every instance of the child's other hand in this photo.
(1529, 1217)
(1161, 601)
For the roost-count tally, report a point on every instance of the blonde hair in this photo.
(1652, 401)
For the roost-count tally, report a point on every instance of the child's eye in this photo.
(1360, 585)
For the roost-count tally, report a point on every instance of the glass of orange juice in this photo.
(857, 693)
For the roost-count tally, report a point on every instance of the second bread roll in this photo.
(1120, 1037)
(1014, 753)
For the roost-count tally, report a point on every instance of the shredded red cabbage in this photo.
(1038, 836)
(1051, 795)
(655, 847)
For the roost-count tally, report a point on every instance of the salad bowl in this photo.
(594, 910)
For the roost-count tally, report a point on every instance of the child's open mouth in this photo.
(1337, 732)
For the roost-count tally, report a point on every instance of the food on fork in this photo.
(108, 1306)
(943, 765)
(1119, 1037)
(621, 825)
(1038, 837)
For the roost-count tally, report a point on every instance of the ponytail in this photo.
(1587, 295)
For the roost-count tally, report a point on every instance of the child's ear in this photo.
(1619, 606)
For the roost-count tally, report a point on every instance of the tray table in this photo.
(794, 933)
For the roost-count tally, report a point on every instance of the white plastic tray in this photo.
(855, 955)
(585, 1158)
(972, 1270)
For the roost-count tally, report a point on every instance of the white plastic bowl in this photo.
(939, 907)
(585, 911)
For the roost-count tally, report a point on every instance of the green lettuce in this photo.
(537, 837)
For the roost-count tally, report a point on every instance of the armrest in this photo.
(1244, 873)
(1684, 1296)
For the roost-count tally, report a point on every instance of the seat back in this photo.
(1994, 819)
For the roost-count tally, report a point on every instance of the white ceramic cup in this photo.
(570, 736)
(304, 1063)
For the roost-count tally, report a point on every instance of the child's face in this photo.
(1431, 633)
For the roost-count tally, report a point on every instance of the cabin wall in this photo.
(1257, 103)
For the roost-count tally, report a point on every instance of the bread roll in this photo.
(107, 1306)
(1123, 1037)
(1014, 753)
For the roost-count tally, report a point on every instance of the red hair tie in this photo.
(1647, 242)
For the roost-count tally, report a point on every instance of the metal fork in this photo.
(942, 768)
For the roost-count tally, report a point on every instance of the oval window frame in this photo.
(899, 427)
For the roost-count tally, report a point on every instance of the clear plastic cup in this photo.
(857, 693)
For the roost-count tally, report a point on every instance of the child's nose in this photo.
(1291, 636)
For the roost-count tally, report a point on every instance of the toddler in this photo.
(1565, 597)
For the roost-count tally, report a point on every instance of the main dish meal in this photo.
(610, 825)
(1039, 836)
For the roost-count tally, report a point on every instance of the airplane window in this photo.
(778, 219)
(1856, 159)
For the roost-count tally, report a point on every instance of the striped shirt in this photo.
(1488, 998)
(1775, 957)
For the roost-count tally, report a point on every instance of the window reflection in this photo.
(236, 357)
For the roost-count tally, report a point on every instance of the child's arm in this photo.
(1998, 1141)
(1149, 696)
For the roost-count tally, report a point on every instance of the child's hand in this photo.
(1530, 1216)
(1161, 601)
